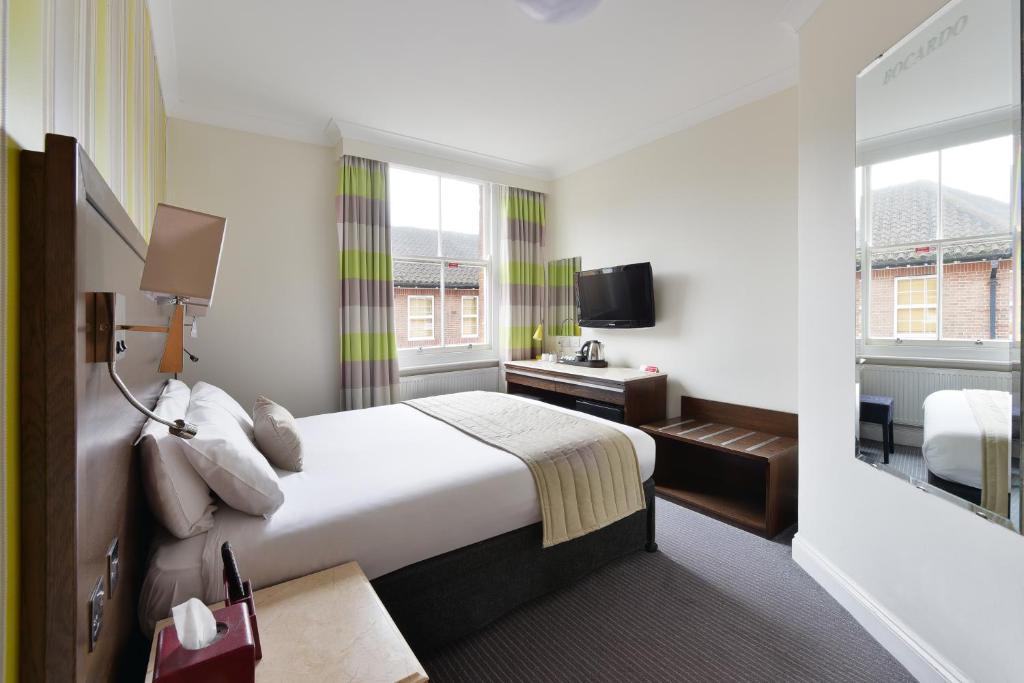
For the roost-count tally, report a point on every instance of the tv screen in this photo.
(622, 296)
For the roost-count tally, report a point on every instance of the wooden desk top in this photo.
(328, 626)
(609, 374)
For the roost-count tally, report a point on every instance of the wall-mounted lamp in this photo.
(181, 269)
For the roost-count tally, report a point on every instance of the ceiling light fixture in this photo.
(557, 11)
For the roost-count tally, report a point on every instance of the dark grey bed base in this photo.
(968, 493)
(441, 599)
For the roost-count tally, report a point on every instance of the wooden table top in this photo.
(328, 626)
(612, 374)
(748, 443)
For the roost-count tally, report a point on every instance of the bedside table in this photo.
(328, 626)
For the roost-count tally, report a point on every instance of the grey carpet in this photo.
(714, 604)
(910, 461)
(907, 459)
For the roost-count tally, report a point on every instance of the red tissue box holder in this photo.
(246, 599)
(231, 658)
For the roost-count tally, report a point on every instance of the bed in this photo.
(445, 525)
(952, 443)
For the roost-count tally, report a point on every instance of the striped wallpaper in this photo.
(122, 112)
(116, 111)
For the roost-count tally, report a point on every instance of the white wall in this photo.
(713, 208)
(936, 574)
(273, 327)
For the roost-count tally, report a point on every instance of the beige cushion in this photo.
(209, 394)
(178, 496)
(229, 462)
(277, 435)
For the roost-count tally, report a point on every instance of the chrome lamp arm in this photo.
(179, 427)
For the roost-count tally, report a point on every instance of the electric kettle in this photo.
(592, 350)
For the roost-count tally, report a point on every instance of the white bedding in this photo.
(952, 445)
(386, 486)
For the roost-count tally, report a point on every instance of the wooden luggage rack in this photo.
(732, 462)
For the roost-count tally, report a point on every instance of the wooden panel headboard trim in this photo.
(72, 420)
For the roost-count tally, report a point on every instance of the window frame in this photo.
(409, 317)
(474, 316)
(923, 347)
(423, 356)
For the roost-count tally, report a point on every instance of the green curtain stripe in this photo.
(364, 265)
(522, 273)
(519, 337)
(526, 208)
(566, 330)
(359, 346)
(560, 273)
(356, 181)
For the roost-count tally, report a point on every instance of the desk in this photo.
(328, 626)
(624, 395)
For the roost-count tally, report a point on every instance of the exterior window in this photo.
(421, 318)
(441, 255)
(917, 307)
(936, 235)
(470, 316)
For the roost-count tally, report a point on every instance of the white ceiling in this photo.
(473, 79)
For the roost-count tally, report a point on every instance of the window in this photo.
(917, 308)
(470, 317)
(421, 318)
(937, 231)
(441, 252)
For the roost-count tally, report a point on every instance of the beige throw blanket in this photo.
(586, 473)
(992, 412)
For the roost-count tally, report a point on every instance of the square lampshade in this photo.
(184, 253)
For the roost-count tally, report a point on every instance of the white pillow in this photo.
(229, 462)
(207, 393)
(178, 496)
(277, 435)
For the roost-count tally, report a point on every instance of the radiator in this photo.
(418, 386)
(909, 386)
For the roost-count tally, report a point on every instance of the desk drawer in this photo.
(577, 388)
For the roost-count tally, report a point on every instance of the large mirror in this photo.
(937, 267)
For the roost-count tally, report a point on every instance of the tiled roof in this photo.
(905, 214)
(423, 242)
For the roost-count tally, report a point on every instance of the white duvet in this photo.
(952, 445)
(386, 486)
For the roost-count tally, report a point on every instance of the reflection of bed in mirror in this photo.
(955, 445)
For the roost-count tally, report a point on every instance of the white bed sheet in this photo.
(386, 486)
(952, 445)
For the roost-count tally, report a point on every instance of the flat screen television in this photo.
(621, 296)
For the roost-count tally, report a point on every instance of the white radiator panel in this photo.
(909, 386)
(418, 386)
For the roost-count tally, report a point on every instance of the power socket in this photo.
(95, 613)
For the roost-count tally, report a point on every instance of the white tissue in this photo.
(194, 623)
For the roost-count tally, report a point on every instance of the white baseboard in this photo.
(920, 660)
(903, 435)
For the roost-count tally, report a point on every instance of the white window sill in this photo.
(416, 362)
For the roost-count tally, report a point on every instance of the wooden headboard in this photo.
(80, 485)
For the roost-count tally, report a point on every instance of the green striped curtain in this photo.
(369, 355)
(562, 297)
(522, 272)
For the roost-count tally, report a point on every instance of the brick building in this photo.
(419, 321)
(977, 281)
